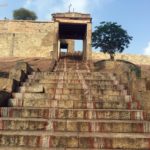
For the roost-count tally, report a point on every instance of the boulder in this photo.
(20, 71)
(23, 66)
(8, 85)
(18, 75)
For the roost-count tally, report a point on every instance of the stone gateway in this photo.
(44, 39)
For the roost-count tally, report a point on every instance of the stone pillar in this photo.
(55, 42)
(70, 46)
(88, 55)
(84, 49)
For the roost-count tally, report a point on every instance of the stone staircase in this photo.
(73, 108)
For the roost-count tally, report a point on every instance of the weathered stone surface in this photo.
(17, 74)
(136, 59)
(144, 98)
(8, 85)
(23, 66)
(140, 83)
(77, 110)
(32, 89)
(26, 38)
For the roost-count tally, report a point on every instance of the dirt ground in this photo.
(7, 63)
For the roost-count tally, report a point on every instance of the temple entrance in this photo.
(68, 35)
(71, 27)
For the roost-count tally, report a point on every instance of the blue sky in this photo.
(133, 15)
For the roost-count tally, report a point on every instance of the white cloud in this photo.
(44, 8)
(147, 49)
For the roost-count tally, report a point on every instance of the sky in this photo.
(132, 15)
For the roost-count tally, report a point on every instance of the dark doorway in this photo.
(72, 31)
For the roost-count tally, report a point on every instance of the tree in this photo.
(111, 38)
(24, 14)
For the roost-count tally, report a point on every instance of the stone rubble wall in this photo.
(136, 59)
(26, 38)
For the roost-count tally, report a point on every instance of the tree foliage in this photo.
(111, 38)
(24, 14)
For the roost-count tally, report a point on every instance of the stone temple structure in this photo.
(74, 104)
(45, 39)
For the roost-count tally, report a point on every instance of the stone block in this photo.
(61, 114)
(8, 85)
(80, 114)
(72, 126)
(32, 89)
(18, 75)
(72, 142)
(86, 142)
(144, 98)
(23, 66)
(59, 126)
(140, 83)
(84, 126)
(58, 142)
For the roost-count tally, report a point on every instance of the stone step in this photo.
(31, 95)
(31, 89)
(75, 104)
(29, 148)
(58, 95)
(73, 75)
(51, 113)
(85, 72)
(87, 95)
(40, 139)
(99, 90)
(71, 81)
(63, 125)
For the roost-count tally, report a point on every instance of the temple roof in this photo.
(71, 15)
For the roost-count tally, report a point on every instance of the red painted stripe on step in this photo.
(50, 142)
(132, 115)
(148, 140)
(85, 114)
(54, 126)
(45, 114)
(133, 98)
(1, 124)
(108, 143)
(10, 112)
(89, 127)
(140, 128)
(129, 105)
(38, 141)
(57, 114)
(91, 142)
(94, 105)
(138, 105)
(145, 117)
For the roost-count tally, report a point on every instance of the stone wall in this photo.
(26, 38)
(136, 59)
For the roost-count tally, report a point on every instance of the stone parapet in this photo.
(136, 59)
